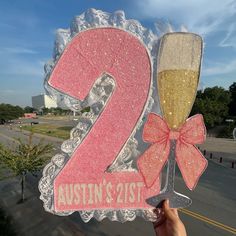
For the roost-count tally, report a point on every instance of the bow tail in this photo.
(152, 161)
(191, 163)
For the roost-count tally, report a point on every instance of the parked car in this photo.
(34, 122)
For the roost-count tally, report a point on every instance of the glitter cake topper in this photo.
(108, 63)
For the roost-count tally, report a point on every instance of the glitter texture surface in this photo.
(180, 51)
(178, 75)
(189, 159)
(177, 90)
(98, 97)
(123, 57)
(176, 200)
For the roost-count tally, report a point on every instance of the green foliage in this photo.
(50, 130)
(56, 111)
(28, 109)
(45, 111)
(227, 131)
(213, 104)
(59, 111)
(9, 112)
(86, 109)
(25, 157)
(232, 105)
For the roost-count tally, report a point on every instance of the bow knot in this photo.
(174, 134)
(189, 159)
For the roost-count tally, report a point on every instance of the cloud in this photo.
(220, 68)
(200, 16)
(17, 50)
(230, 38)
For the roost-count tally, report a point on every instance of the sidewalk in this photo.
(217, 149)
(220, 145)
(29, 217)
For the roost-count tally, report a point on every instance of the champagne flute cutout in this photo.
(178, 67)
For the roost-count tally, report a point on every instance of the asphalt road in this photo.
(212, 212)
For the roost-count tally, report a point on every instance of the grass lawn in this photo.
(50, 130)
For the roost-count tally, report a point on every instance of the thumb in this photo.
(169, 213)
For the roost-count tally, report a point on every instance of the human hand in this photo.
(169, 223)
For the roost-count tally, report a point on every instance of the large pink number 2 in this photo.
(83, 183)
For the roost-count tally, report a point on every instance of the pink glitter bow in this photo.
(189, 159)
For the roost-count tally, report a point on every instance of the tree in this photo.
(25, 158)
(232, 105)
(213, 104)
(9, 112)
(86, 109)
(45, 110)
(57, 111)
(29, 109)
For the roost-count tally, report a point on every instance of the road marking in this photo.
(209, 221)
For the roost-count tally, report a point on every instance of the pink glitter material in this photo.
(89, 55)
(189, 159)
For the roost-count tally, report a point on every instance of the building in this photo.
(30, 115)
(43, 101)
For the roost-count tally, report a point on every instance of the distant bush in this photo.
(227, 131)
(10, 112)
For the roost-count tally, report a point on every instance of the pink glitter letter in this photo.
(83, 183)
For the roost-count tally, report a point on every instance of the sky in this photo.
(27, 34)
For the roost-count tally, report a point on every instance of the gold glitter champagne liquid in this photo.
(177, 90)
(178, 73)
